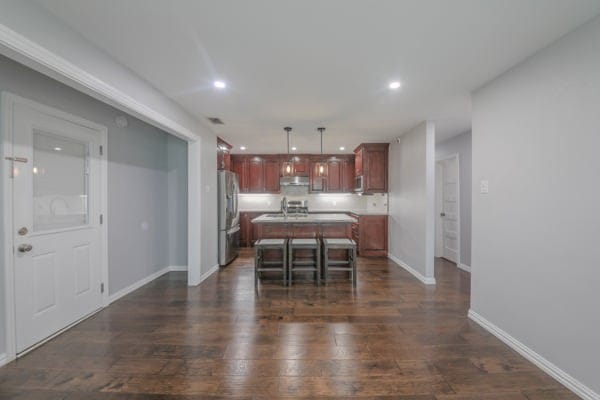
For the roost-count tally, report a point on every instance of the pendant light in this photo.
(287, 165)
(321, 165)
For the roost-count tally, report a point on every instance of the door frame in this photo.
(7, 103)
(439, 226)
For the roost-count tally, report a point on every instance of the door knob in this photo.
(24, 248)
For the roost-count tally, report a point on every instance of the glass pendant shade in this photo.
(288, 165)
(321, 165)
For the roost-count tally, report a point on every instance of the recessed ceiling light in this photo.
(342, 148)
(219, 84)
(294, 149)
(394, 85)
(242, 147)
(57, 149)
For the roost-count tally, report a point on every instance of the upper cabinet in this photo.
(371, 162)
(239, 165)
(262, 173)
(223, 155)
(257, 174)
(300, 166)
(338, 176)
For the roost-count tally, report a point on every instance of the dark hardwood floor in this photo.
(392, 338)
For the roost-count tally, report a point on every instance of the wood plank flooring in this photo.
(391, 338)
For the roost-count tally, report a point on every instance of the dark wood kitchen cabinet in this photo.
(371, 162)
(272, 167)
(348, 175)
(300, 165)
(223, 155)
(370, 233)
(248, 230)
(239, 165)
(257, 174)
(339, 175)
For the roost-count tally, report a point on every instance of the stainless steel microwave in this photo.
(358, 184)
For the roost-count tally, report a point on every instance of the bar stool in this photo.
(260, 265)
(313, 265)
(340, 265)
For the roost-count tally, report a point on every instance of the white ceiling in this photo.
(310, 63)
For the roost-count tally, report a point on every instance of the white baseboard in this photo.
(208, 273)
(417, 274)
(464, 267)
(567, 380)
(4, 359)
(178, 268)
(125, 291)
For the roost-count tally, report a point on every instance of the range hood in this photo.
(293, 181)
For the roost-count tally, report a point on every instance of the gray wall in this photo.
(177, 201)
(461, 145)
(535, 252)
(411, 199)
(137, 181)
(210, 229)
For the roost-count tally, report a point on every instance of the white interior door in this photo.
(56, 210)
(450, 211)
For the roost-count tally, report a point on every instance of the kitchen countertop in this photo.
(353, 211)
(310, 219)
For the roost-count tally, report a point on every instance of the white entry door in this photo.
(450, 213)
(56, 209)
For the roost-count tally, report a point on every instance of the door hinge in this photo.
(102, 287)
(101, 219)
(101, 150)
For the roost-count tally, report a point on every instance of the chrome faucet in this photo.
(284, 207)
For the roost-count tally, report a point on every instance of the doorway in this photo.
(55, 187)
(447, 226)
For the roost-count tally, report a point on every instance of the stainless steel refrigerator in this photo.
(229, 216)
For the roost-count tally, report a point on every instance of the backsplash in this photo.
(316, 202)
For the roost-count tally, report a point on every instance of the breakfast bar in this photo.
(297, 229)
(319, 226)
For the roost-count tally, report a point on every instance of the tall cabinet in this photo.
(371, 162)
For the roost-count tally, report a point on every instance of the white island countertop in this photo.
(277, 218)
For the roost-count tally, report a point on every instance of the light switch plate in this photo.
(484, 187)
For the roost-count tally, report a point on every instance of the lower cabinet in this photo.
(248, 230)
(371, 235)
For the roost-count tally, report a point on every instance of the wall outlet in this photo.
(484, 187)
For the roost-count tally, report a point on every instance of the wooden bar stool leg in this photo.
(256, 264)
(354, 278)
(318, 257)
(284, 265)
(290, 264)
(326, 263)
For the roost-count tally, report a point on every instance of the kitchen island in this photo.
(318, 226)
(278, 226)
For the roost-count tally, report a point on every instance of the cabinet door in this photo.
(348, 176)
(358, 160)
(301, 166)
(373, 235)
(376, 171)
(271, 166)
(239, 165)
(256, 175)
(317, 183)
(334, 175)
